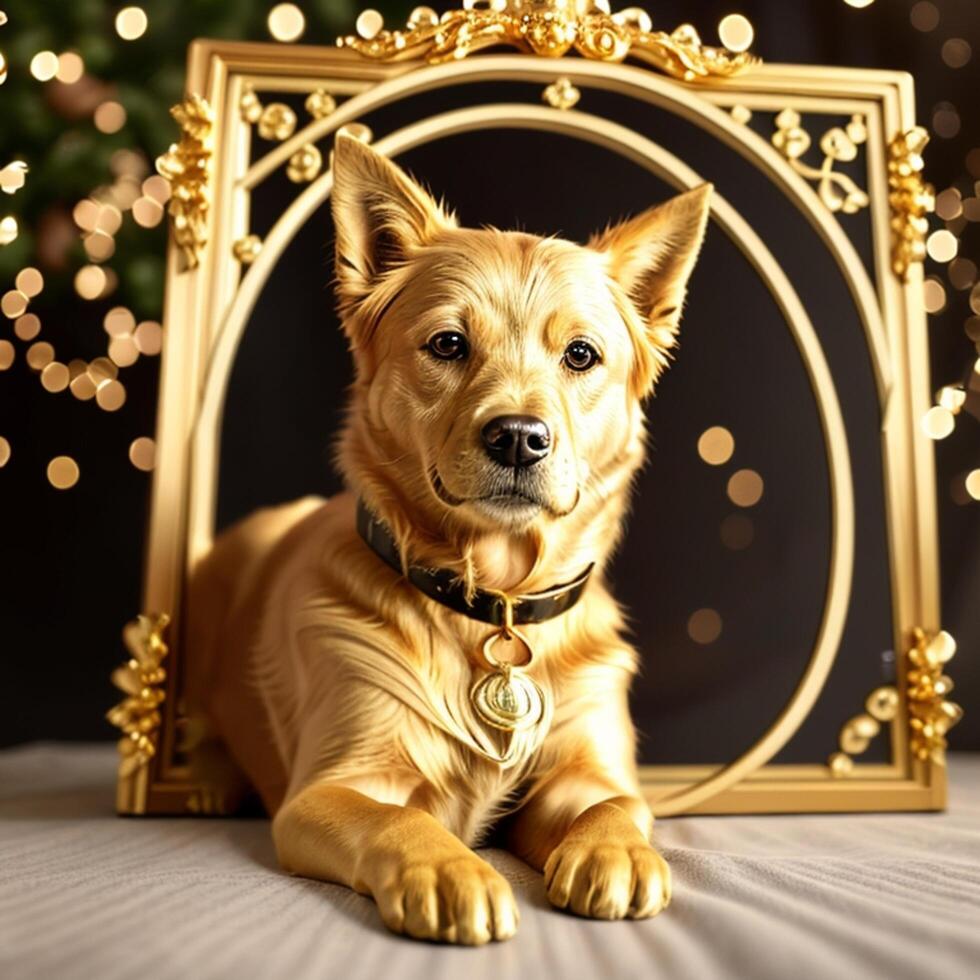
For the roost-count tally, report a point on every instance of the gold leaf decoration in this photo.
(838, 145)
(141, 679)
(320, 103)
(304, 164)
(931, 716)
(561, 94)
(911, 199)
(277, 122)
(187, 166)
(247, 249)
(549, 28)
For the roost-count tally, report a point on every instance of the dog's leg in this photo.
(427, 883)
(586, 826)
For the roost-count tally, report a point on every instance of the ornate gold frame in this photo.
(216, 269)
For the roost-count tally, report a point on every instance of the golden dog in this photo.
(494, 428)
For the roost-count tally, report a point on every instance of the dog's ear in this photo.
(652, 256)
(380, 215)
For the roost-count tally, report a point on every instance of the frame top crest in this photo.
(549, 28)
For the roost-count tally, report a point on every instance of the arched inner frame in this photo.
(668, 168)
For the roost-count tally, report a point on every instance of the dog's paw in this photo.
(459, 900)
(607, 880)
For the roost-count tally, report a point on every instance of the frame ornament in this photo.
(548, 28)
(214, 277)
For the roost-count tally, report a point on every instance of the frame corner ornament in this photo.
(838, 145)
(187, 168)
(142, 680)
(931, 715)
(549, 28)
(911, 199)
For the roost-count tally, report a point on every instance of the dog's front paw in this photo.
(607, 880)
(459, 900)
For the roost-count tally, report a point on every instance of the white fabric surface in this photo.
(86, 894)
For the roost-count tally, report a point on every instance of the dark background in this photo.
(72, 559)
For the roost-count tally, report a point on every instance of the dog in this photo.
(368, 662)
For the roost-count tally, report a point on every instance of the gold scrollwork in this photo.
(550, 28)
(911, 199)
(931, 716)
(839, 145)
(141, 679)
(187, 166)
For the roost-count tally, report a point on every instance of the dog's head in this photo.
(499, 375)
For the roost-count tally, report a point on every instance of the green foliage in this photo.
(43, 123)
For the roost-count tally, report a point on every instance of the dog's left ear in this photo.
(380, 214)
(652, 256)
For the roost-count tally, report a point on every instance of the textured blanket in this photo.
(86, 894)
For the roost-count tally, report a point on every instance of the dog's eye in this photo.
(580, 355)
(448, 346)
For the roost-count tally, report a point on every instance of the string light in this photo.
(942, 246)
(745, 488)
(736, 32)
(63, 472)
(70, 68)
(131, 23)
(109, 117)
(924, 16)
(44, 66)
(286, 22)
(704, 626)
(956, 52)
(716, 445)
(973, 484)
(938, 422)
(13, 176)
(934, 295)
(369, 24)
(142, 453)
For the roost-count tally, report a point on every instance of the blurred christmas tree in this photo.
(86, 109)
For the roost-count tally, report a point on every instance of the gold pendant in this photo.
(506, 698)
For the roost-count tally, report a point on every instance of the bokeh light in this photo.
(63, 472)
(131, 23)
(736, 32)
(704, 626)
(286, 22)
(716, 445)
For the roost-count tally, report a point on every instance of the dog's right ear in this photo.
(380, 215)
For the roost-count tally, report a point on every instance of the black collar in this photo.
(444, 586)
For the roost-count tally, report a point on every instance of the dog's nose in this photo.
(516, 440)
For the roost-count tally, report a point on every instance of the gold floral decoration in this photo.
(247, 249)
(911, 199)
(249, 106)
(838, 145)
(277, 122)
(304, 164)
(857, 733)
(320, 103)
(931, 716)
(141, 678)
(561, 94)
(187, 166)
(550, 28)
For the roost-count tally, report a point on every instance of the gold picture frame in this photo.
(216, 267)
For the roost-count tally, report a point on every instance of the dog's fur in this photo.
(342, 691)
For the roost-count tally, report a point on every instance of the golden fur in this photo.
(338, 688)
